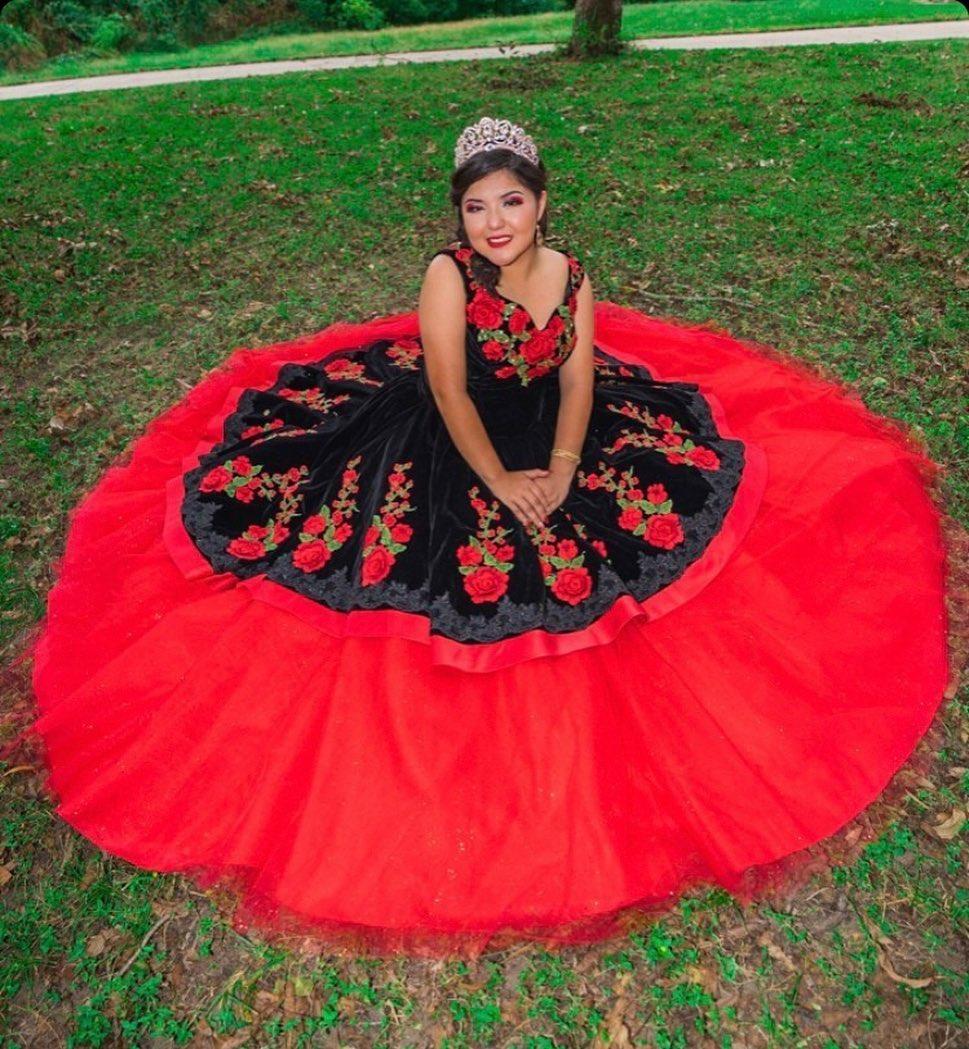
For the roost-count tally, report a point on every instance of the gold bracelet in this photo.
(566, 454)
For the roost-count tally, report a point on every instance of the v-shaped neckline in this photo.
(558, 306)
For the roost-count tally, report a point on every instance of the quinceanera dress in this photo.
(297, 650)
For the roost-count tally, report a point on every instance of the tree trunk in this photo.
(595, 28)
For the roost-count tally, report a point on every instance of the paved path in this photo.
(783, 38)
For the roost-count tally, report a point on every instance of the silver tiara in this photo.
(490, 133)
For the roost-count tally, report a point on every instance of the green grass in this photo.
(810, 198)
(638, 20)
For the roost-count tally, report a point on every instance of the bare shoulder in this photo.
(443, 296)
(442, 277)
(441, 262)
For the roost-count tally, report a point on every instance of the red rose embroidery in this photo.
(485, 584)
(651, 517)
(572, 585)
(377, 565)
(484, 311)
(630, 518)
(539, 347)
(705, 458)
(324, 532)
(260, 539)
(255, 431)
(675, 442)
(405, 353)
(561, 564)
(216, 480)
(484, 560)
(664, 530)
(388, 535)
(247, 549)
(311, 555)
(470, 555)
(341, 368)
(568, 548)
(313, 397)
(518, 321)
(656, 493)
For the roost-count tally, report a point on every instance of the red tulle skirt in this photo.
(354, 790)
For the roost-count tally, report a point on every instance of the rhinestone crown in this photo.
(490, 133)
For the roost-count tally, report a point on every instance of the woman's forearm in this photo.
(572, 424)
(469, 435)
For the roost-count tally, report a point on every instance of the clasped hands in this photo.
(533, 494)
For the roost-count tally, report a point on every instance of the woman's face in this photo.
(500, 215)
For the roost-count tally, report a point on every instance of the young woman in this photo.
(510, 617)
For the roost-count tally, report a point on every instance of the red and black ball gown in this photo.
(296, 647)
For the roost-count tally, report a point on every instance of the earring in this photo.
(539, 236)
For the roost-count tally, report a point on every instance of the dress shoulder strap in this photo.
(576, 269)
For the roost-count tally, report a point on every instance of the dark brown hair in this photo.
(477, 166)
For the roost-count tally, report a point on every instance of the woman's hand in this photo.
(557, 482)
(526, 494)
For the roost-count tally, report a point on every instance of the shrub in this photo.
(113, 33)
(359, 14)
(19, 49)
(321, 14)
(73, 19)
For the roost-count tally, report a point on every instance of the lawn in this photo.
(671, 18)
(811, 198)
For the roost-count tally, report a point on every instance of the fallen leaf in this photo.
(949, 827)
(96, 944)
